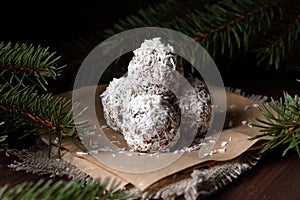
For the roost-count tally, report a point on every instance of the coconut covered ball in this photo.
(143, 105)
(196, 106)
(147, 86)
(155, 61)
(116, 94)
(150, 123)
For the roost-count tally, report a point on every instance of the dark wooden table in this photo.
(274, 177)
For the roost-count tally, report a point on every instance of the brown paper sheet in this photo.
(240, 110)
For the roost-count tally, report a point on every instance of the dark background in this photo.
(73, 28)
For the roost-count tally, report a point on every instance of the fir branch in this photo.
(220, 27)
(236, 20)
(45, 113)
(62, 190)
(282, 123)
(23, 61)
(2, 139)
(225, 26)
(282, 39)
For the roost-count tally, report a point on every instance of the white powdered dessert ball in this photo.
(116, 94)
(150, 124)
(155, 61)
(196, 106)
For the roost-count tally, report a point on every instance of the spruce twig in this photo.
(225, 25)
(24, 110)
(22, 62)
(220, 27)
(62, 190)
(282, 123)
(2, 139)
(269, 27)
(282, 38)
(45, 113)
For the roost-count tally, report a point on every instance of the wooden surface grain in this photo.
(274, 177)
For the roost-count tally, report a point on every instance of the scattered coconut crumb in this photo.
(212, 152)
(246, 107)
(81, 153)
(105, 149)
(232, 106)
(55, 141)
(244, 122)
(104, 126)
(115, 142)
(90, 133)
(221, 150)
(212, 141)
(255, 105)
(224, 143)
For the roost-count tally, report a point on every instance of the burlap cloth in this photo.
(189, 176)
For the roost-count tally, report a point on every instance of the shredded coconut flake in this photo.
(81, 153)
(224, 143)
(246, 107)
(221, 150)
(244, 122)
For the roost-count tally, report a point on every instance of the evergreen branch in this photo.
(270, 26)
(62, 190)
(47, 114)
(235, 21)
(223, 26)
(27, 103)
(282, 123)
(2, 139)
(219, 27)
(278, 47)
(23, 61)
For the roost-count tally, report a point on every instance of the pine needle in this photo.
(62, 190)
(282, 123)
(29, 62)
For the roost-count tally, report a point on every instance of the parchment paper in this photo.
(233, 141)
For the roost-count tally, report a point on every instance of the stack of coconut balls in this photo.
(143, 105)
